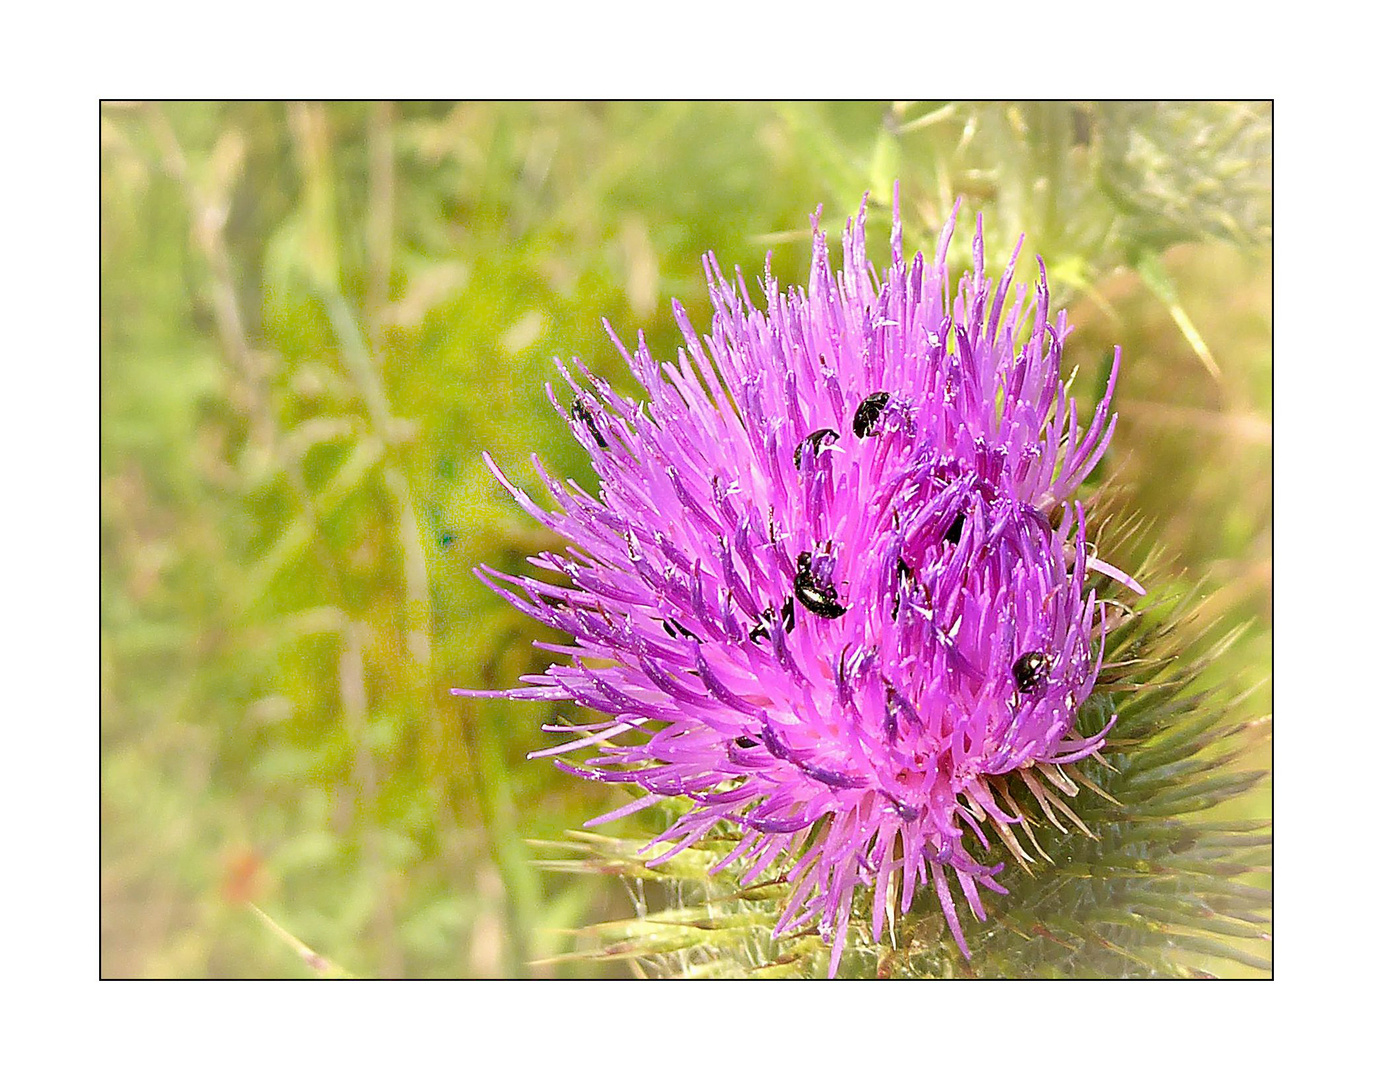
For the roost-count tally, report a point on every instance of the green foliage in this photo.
(316, 317)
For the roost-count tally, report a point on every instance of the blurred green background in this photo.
(315, 317)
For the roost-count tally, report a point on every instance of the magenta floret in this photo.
(824, 563)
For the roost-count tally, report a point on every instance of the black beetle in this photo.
(583, 415)
(815, 438)
(865, 419)
(1030, 670)
(760, 633)
(819, 599)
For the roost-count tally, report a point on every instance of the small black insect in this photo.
(1029, 670)
(903, 575)
(673, 628)
(583, 415)
(447, 540)
(955, 530)
(865, 419)
(743, 742)
(815, 438)
(822, 600)
(761, 633)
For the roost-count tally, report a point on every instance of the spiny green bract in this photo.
(1166, 885)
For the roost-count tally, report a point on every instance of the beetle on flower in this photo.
(884, 467)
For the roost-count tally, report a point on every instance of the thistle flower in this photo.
(839, 576)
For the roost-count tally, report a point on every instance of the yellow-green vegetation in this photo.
(316, 317)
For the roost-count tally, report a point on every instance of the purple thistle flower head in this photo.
(837, 573)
